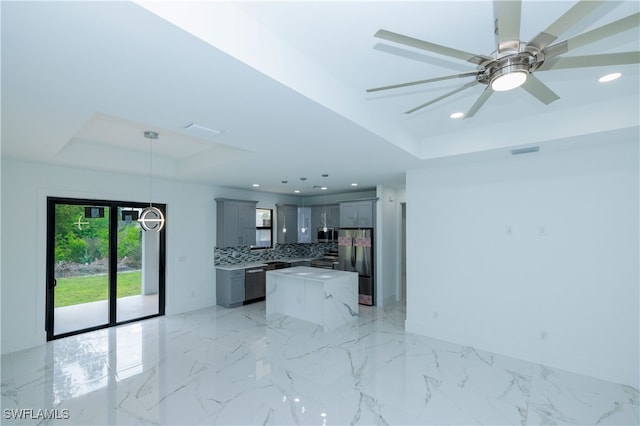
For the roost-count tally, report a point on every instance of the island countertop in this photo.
(258, 263)
(310, 273)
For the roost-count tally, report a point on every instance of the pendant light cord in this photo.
(151, 135)
(150, 172)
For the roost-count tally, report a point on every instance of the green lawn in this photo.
(75, 290)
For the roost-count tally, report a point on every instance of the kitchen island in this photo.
(322, 296)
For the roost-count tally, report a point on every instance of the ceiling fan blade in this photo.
(507, 15)
(431, 47)
(539, 90)
(571, 17)
(439, 98)
(565, 62)
(594, 35)
(429, 80)
(479, 102)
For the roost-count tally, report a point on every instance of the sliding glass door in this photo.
(102, 268)
(138, 268)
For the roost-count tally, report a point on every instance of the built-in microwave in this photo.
(327, 234)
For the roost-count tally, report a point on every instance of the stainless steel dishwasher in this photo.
(254, 284)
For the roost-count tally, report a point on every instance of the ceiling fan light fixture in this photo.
(508, 78)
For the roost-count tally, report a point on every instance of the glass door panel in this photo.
(102, 268)
(81, 267)
(138, 281)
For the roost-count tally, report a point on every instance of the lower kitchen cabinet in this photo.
(229, 287)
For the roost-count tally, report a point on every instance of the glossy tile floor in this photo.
(231, 366)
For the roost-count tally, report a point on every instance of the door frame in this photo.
(112, 206)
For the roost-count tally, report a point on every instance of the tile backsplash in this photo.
(244, 254)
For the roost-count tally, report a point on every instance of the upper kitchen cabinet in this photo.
(287, 224)
(235, 222)
(324, 216)
(304, 225)
(357, 214)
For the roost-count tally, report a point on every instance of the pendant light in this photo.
(303, 228)
(151, 218)
(324, 188)
(284, 219)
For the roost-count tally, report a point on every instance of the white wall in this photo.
(386, 245)
(568, 298)
(190, 277)
(401, 249)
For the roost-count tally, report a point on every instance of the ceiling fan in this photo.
(514, 62)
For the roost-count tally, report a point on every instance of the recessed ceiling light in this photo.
(354, 184)
(609, 77)
(457, 115)
(324, 188)
(297, 191)
(255, 185)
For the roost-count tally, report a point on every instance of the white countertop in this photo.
(309, 273)
(240, 266)
(237, 266)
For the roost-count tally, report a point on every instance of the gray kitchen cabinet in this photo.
(229, 287)
(357, 214)
(330, 213)
(235, 222)
(300, 263)
(304, 225)
(333, 216)
(287, 218)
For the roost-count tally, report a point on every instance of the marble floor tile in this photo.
(233, 367)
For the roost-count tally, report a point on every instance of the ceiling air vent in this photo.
(199, 130)
(527, 150)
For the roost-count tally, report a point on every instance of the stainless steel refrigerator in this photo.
(355, 254)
